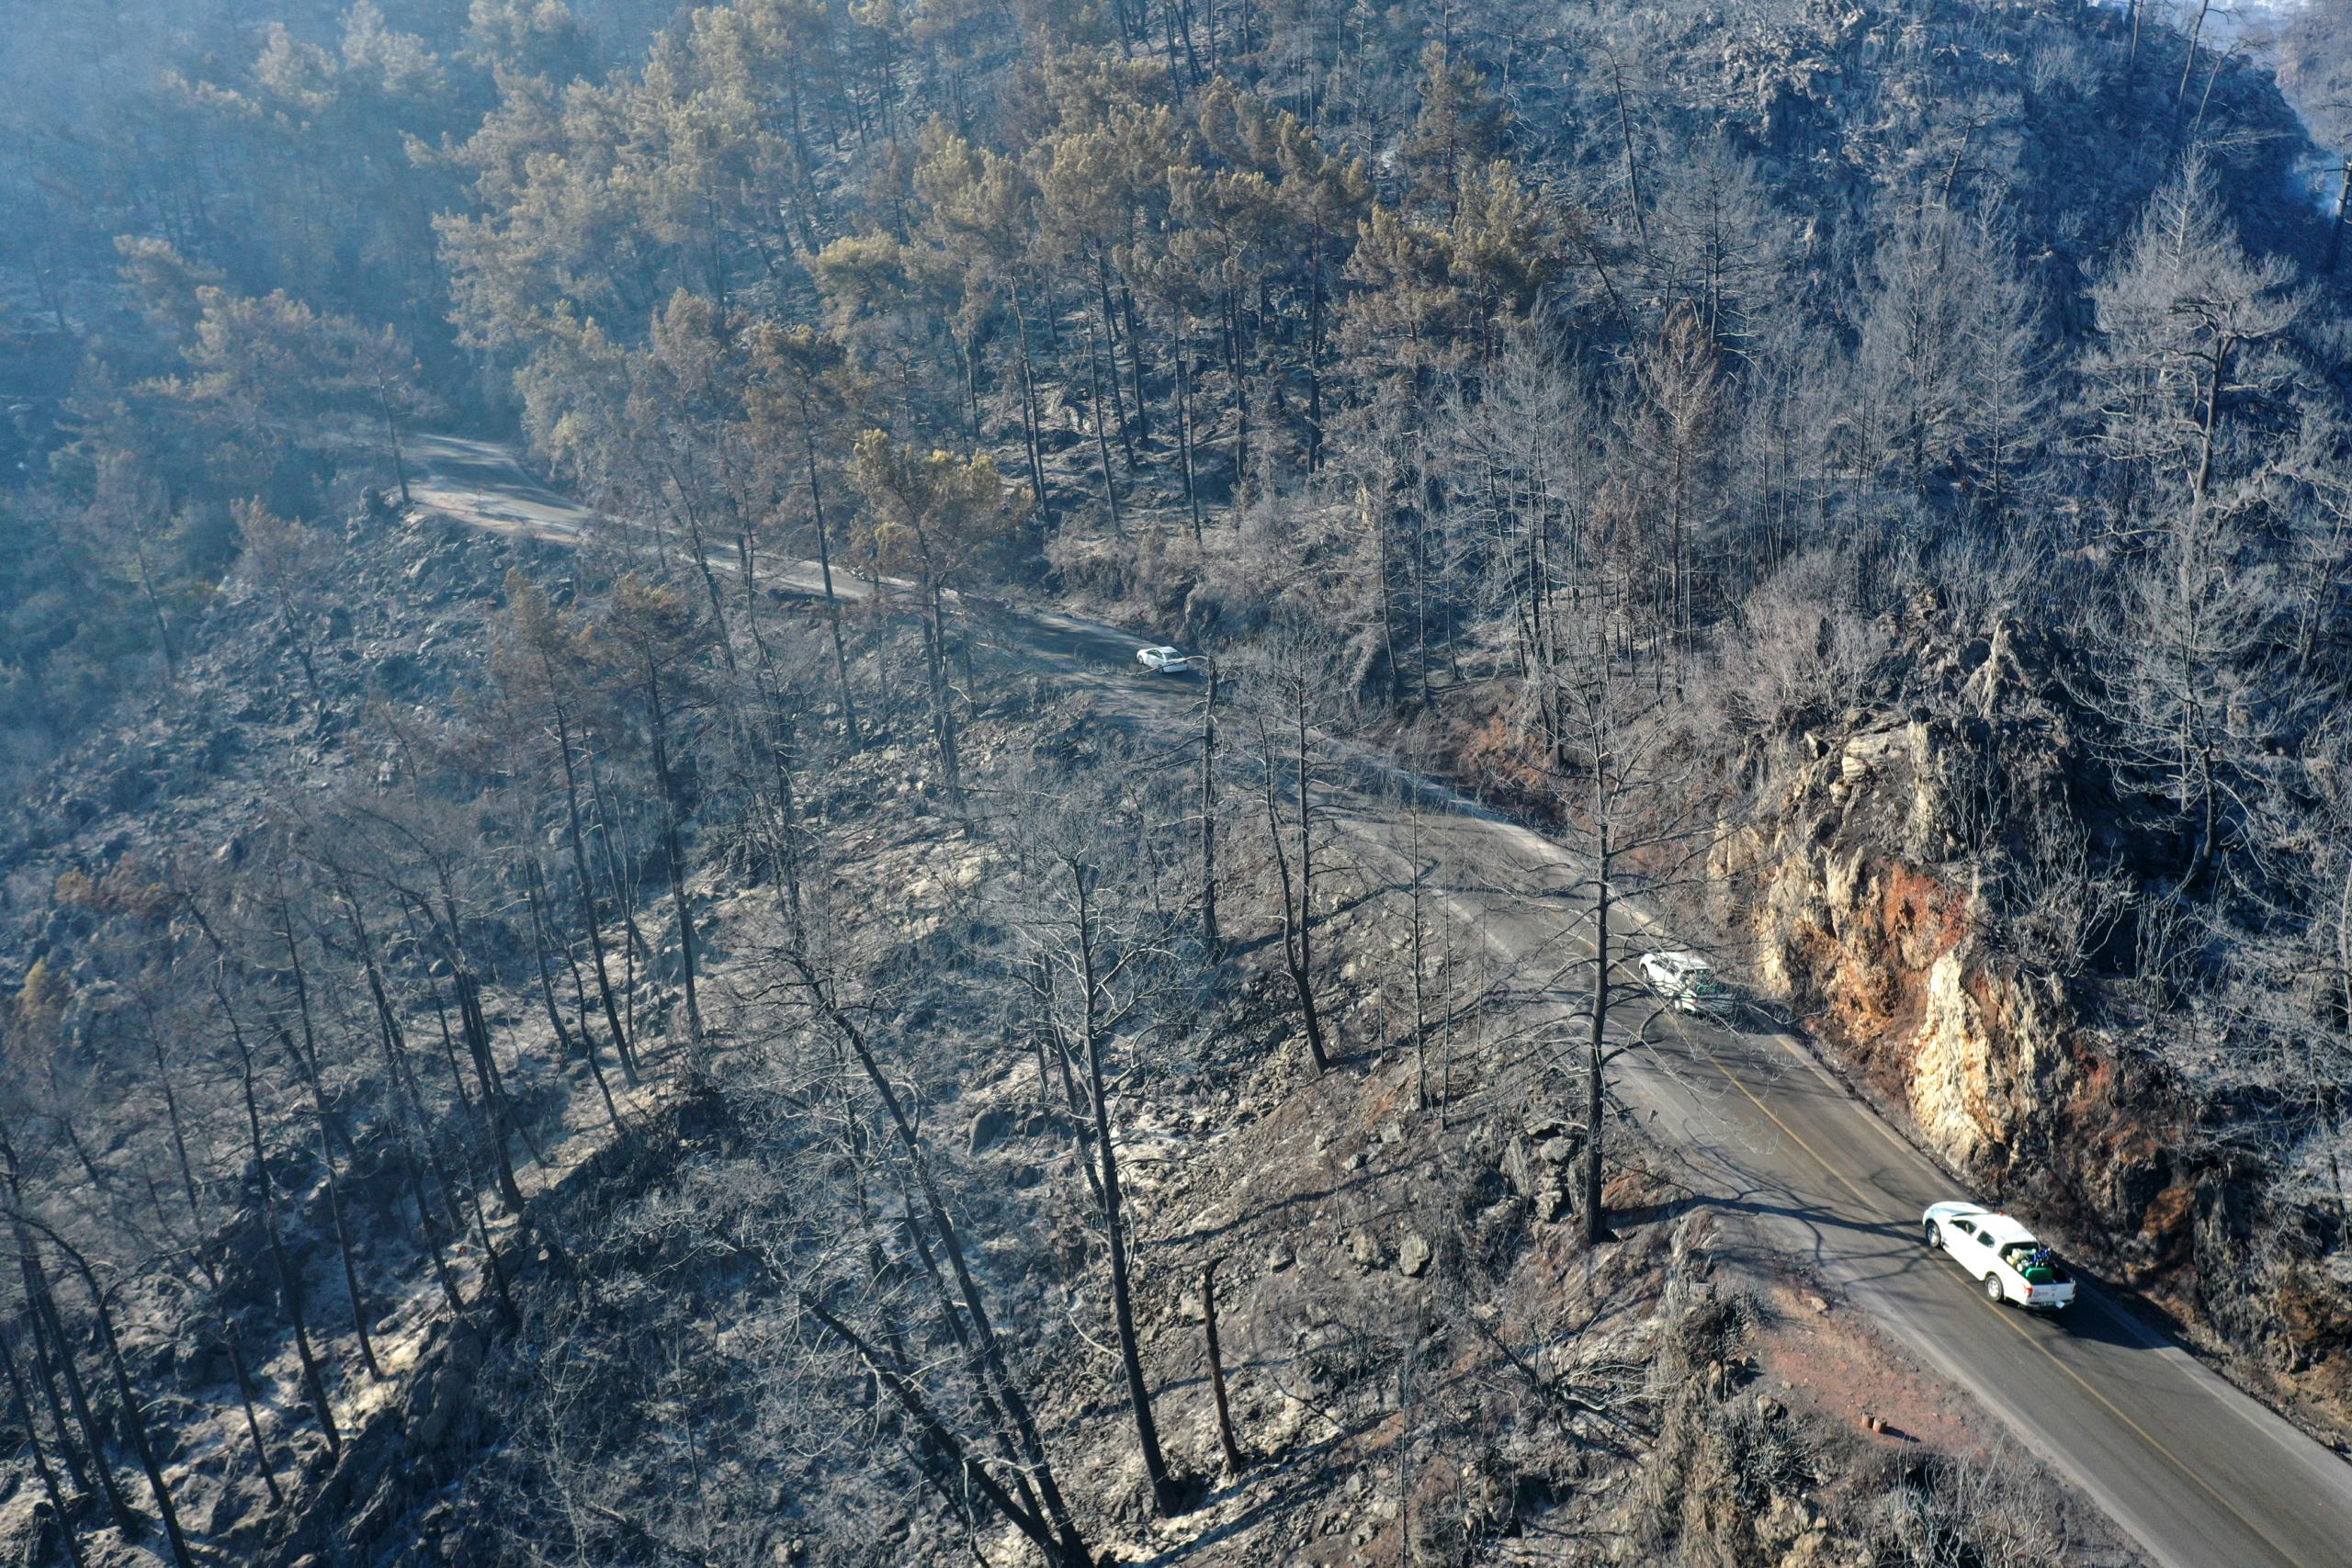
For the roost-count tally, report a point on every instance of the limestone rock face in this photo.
(1878, 882)
(1862, 882)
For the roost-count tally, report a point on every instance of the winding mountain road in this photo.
(2196, 1472)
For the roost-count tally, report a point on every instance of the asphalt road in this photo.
(2196, 1472)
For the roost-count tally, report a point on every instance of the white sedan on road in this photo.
(1164, 660)
(2001, 1252)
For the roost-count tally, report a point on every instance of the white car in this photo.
(1685, 982)
(1166, 661)
(2002, 1253)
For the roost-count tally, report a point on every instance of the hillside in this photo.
(604, 957)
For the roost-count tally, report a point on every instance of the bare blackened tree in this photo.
(304, 1049)
(1520, 470)
(200, 1254)
(817, 976)
(129, 1411)
(2181, 647)
(1626, 787)
(1291, 685)
(795, 390)
(20, 1410)
(289, 564)
(53, 1352)
(661, 634)
(546, 668)
(32, 1232)
(2284, 1035)
(1716, 243)
(1108, 962)
(937, 517)
(224, 975)
(1949, 377)
(1210, 941)
(2187, 320)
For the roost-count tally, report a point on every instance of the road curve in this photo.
(2196, 1472)
(2199, 1475)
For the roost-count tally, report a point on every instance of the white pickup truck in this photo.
(1685, 982)
(2001, 1252)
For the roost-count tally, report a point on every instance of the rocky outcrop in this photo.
(1855, 883)
(1876, 882)
(1889, 960)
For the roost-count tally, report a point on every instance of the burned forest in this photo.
(1240, 782)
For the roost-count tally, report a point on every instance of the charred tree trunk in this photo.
(309, 1063)
(21, 1409)
(1297, 889)
(411, 1099)
(134, 1418)
(476, 1030)
(1208, 815)
(1058, 1546)
(995, 1367)
(1596, 1041)
(1115, 1224)
(1184, 435)
(588, 895)
(1234, 1460)
(943, 715)
(55, 1352)
(222, 1327)
(1029, 413)
(673, 846)
(44, 1370)
(1110, 346)
(290, 1288)
(825, 571)
(540, 932)
(50, 1323)
(621, 885)
(1101, 436)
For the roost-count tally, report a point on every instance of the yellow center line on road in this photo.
(2144, 1435)
(1791, 1045)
